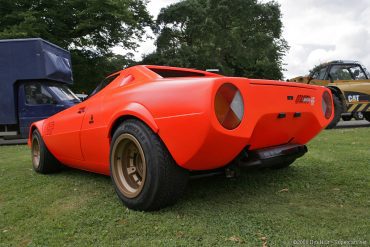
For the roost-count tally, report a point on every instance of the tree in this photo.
(239, 37)
(88, 28)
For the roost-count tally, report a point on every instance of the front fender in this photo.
(36, 125)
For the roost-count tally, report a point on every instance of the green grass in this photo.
(323, 196)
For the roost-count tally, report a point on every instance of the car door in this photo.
(94, 139)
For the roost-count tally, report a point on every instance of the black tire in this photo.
(338, 110)
(282, 165)
(346, 118)
(45, 162)
(367, 116)
(160, 183)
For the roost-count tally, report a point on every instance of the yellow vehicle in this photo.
(349, 82)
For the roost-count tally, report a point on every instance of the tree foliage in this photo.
(239, 37)
(88, 28)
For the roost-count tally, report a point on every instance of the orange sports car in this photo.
(149, 127)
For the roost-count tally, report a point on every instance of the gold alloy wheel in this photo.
(35, 152)
(128, 165)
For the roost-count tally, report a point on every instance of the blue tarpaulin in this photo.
(28, 59)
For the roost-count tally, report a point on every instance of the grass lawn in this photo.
(323, 196)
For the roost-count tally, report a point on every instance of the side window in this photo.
(367, 74)
(315, 75)
(103, 84)
(322, 73)
(357, 73)
(319, 74)
(339, 72)
(37, 94)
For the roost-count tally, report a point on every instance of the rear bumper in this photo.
(271, 156)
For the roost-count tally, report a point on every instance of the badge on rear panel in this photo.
(305, 99)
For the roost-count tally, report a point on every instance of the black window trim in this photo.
(95, 91)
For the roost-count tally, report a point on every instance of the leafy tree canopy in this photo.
(88, 28)
(239, 37)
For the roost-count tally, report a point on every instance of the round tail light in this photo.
(229, 106)
(327, 105)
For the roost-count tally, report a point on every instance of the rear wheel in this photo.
(42, 160)
(144, 174)
(338, 110)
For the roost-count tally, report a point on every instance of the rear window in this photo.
(168, 73)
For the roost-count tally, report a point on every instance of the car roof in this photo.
(335, 62)
(343, 62)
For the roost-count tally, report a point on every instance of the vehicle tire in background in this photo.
(42, 160)
(338, 110)
(143, 172)
(367, 116)
(346, 118)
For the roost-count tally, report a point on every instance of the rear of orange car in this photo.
(265, 121)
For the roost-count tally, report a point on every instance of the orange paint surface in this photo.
(181, 110)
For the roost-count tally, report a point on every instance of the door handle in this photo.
(81, 110)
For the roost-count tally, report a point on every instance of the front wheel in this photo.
(42, 160)
(338, 110)
(143, 172)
